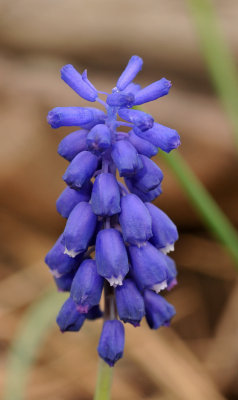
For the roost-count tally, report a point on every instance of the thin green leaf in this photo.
(218, 58)
(35, 326)
(213, 217)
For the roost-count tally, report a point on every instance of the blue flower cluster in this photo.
(114, 239)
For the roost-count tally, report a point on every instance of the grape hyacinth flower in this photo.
(115, 241)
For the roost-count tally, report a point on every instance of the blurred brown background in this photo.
(198, 357)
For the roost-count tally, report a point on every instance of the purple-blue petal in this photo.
(153, 91)
(148, 177)
(81, 169)
(118, 99)
(140, 119)
(112, 341)
(69, 319)
(133, 67)
(79, 229)
(142, 146)
(60, 263)
(73, 144)
(148, 265)
(69, 116)
(64, 282)
(86, 80)
(130, 303)
(148, 196)
(135, 220)
(132, 88)
(99, 117)
(94, 313)
(158, 311)
(161, 136)
(163, 229)
(126, 158)
(171, 273)
(105, 198)
(99, 138)
(74, 79)
(86, 289)
(111, 256)
(69, 198)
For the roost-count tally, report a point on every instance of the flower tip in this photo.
(52, 119)
(159, 286)
(171, 285)
(167, 249)
(115, 281)
(70, 253)
(66, 68)
(133, 67)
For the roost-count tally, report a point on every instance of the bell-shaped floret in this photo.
(148, 266)
(118, 99)
(105, 198)
(69, 319)
(99, 138)
(73, 144)
(148, 196)
(130, 303)
(69, 116)
(153, 91)
(142, 146)
(126, 158)
(135, 220)
(74, 79)
(69, 198)
(79, 229)
(112, 341)
(111, 256)
(148, 177)
(60, 263)
(140, 119)
(164, 230)
(158, 311)
(86, 289)
(133, 67)
(161, 136)
(81, 169)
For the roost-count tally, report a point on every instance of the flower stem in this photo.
(104, 381)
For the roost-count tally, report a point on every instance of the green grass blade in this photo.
(202, 201)
(35, 326)
(218, 58)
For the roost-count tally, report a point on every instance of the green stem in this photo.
(202, 201)
(104, 381)
(218, 58)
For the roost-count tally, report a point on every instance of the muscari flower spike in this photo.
(114, 239)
